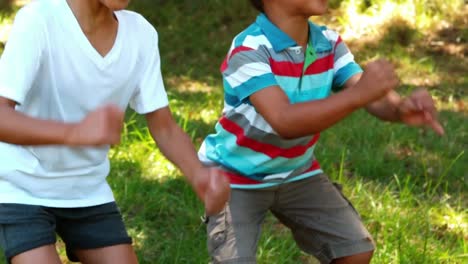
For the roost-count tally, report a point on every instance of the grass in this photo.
(409, 185)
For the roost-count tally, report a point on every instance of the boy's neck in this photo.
(91, 14)
(296, 27)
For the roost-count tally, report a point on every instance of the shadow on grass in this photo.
(6, 6)
(195, 35)
(437, 60)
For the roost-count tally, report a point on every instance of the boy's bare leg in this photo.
(363, 258)
(41, 255)
(119, 254)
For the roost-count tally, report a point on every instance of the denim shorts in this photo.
(26, 227)
(322, 221)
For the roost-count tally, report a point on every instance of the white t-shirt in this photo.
(51, 69)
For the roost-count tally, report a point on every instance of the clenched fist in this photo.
(378, 79)
(100, 127)
(212, 187)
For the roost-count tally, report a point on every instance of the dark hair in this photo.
(258, 4)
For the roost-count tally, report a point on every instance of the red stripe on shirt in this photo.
(239, 179)
(315, 166)
(224, 65)
(267, 149)
(338, 41)
(321, 65)
(286, 68)
(239, 49)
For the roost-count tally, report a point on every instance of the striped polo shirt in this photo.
(262, 56)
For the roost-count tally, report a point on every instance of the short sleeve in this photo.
(22, 57)
(247, 71)
(344, 66)
(150, 94)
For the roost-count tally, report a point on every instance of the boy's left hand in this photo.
(418, 109)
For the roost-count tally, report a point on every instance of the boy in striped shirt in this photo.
(279, 76)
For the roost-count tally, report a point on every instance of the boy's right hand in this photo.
(100, 127)
(378, 79)
(212, 187)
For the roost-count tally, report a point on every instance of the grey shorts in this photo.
(323, 222)
(26, 227)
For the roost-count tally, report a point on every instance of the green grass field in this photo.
(409, 185)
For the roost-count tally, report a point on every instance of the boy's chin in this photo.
(118, 8)
(315, 10)
(316, 13)
(116, 5)
(320, 11)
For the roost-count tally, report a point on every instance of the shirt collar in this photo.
(280, 40)
(318, 40)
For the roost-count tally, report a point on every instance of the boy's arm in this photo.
(19, 66)
(302, 119)
(418, 109)
(386, 108)
(100, 127)
(210, 184)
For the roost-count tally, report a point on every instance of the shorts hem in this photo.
(103, 244)
(96, 245)
(10, 253)
(331, 252)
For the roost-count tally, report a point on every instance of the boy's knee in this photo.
(229, 246)
(361, 258)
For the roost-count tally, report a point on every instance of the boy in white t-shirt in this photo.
(69, 70)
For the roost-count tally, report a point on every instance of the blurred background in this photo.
(409, 185)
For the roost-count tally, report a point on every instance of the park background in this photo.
(409, 185)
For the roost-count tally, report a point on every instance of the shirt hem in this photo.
(272, 184)
(56, 203)
(151, 108)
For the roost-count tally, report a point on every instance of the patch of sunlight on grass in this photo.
(205, 109)
(139, 237)
(389, 211)
(6, 18)
(60, 246)
(22, 2)
(452, 104)
(449, 219)
(186, 84)
(209, 115)
(5, 28)
(153, 163)
(358, 24)
(364, 24)
(156, 166)
(6, 23)
(190, 113)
